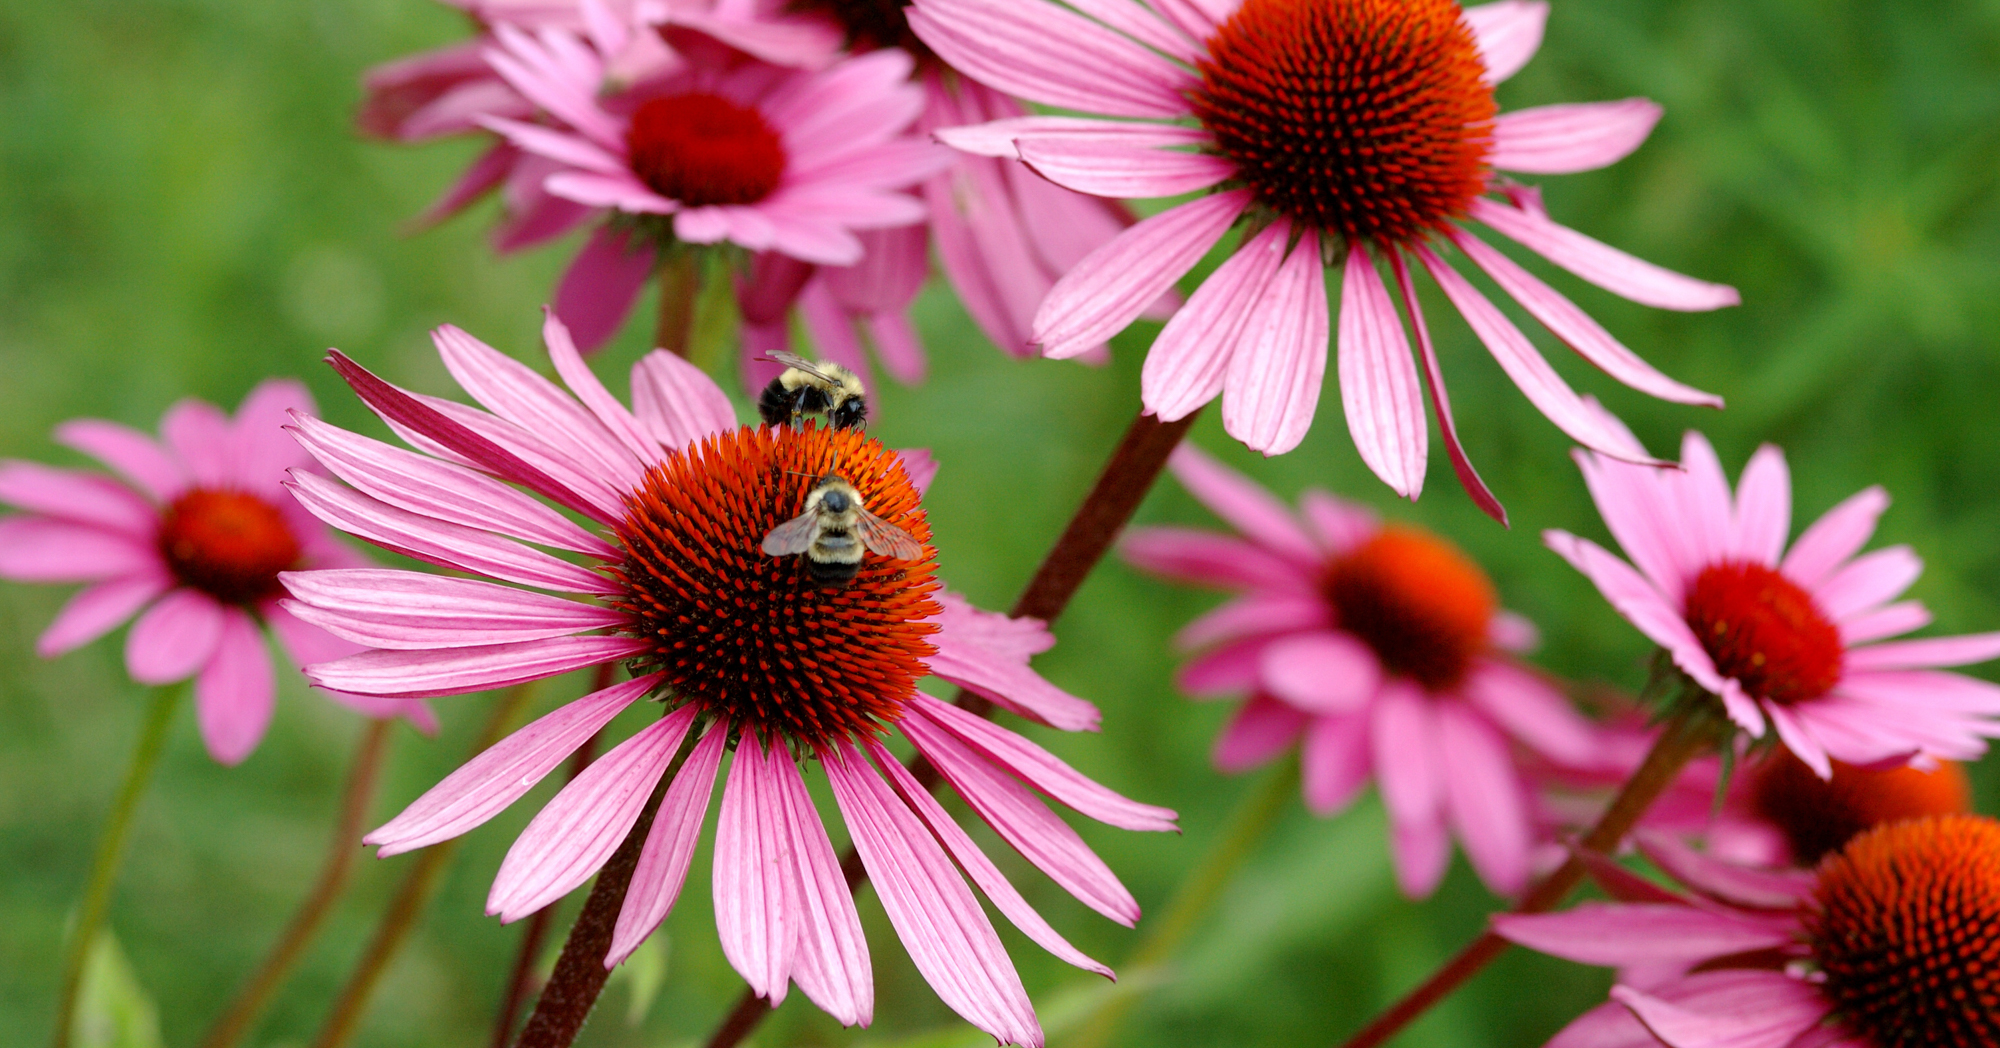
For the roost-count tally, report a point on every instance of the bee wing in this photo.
(886, 538)
(793, 536)
(793, 360)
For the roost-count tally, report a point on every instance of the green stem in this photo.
(680, 284)
(342, 850)
(1197, 895)
(110, 851)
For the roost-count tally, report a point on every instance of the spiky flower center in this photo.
(230, 545)
(755, 638)
(1906, 926)
(703, 149)
(1371, 119)
(1417, 601)
(1818, 816)
(1765, 631)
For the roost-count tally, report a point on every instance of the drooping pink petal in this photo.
(1749, 1009)
(1270, 388)
(1804, 743)
(1378, 380)
(1115, 283)
(306, 644)
(756, 909)
(1324, 672)
(383, 608)
(1188, 361)
(515, 392)
(1603, 265)
(1834, 537)
(1777, 890)
(1619, 934)
(1243, 504)
(76, 497)
(1571, 137)
(669, 850)
(1255, 614)
(99, 609)
(1507, 33)
(831, 965)
(1334, 761)
(1010, 683)
(1207, 559)
(933, 912)
(1609, 1025)
(132, 454)
(1461, 465)
(1404, 742)
(599, 287)
(998, 138)
(485, 785)
(1260, 730)
(1890, 620)
(1045, 54)
(1639, 602)
(453, 671)
(236, 690)
(37, 549)
(1763, 518)
(479, 178)
(1484, 798)
(1022, 820)
(1534, 712)
(1122, 170)
(174, 638)
(1040, 768)
(1868, 581)
(583, 824)
(1924, 654)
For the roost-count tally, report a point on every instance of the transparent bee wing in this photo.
(884, 538)
(793, 360)
(793, 536)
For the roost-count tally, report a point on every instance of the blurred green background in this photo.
(183, 211)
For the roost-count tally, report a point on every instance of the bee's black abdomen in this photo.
(774, 405)
(830, 572)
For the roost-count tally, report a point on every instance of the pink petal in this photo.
(1118, 169)
(1603, 265)
(452, 671)
(975, 863)
(612, 415)
(1324, 672)
(1261, 730)
(537, 69)
(1207, 559)
(1378, 380)
(1229, 670)
(1531, 710)
(1637, 600)
(1049, 55)
(1255, 614)
(1763, 507)
(1404, 741)
(1023, 821)
(1565, 139)
(1868, 582)
(1116, 282)
(260, 450)
(1639, 506)
(134, 455)
(1334, 761)
(381, 608)
(1139, 22)
(598, 289)
(99, 609)
(1271, 385)
(1705, 515)
(306, 644)
(515, 392)
(1511, 632)
(1609, 1025)
(619, 192)
(1890, 620)
(1753, 1009)
(485, 785)
(37, 549)
(77, 497)
(1833, 538)
(1040, 768)
(1340, 525)
(174, 638)
(1247, 507)
(756, 911)
(677, 402)
(198, 433)
(1187, 364)
(1619, 934)
(1461, 465)
(998, 138)
(1923, 654)
(235, 692)
(932, 910)
(1777, 890)
(831, 965)
(1010, 683)
(479, 178)
(663, 862)
(1484, 798)
(1507, 34)
(1799, 738)
(583, 824)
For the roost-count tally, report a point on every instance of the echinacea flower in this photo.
(1381, 652)
(1888, 944)
(190, 537)
(746, 651)
(1817, 816)
(724, 148)
(1338, 133)
(1784, 638)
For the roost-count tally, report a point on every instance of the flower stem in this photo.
(411, 897)
(1690, 731)
(110, 851)
(1134, 465)
(680, 284)
(342, 849)
(1247, 826)
(580, 972)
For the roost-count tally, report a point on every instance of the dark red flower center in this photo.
(870, 24)
(1906, 926)
(755, 638)
(1818, 816)
(702, 149)
(1417, 601)
(228, 544)
(1765, 631)
(1371, 119)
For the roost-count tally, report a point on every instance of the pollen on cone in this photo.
(754, 637)
(1818, 816)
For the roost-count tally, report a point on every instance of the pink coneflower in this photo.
(1888, 944)
(192, 541)
(1380, 650)
(746, 650)
(1784, 637)
(1339, 133)
(726, 148)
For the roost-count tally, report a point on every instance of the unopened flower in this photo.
(1381, 651)
(1338, 133)
(1888, 944)
(1785, 638)
(747, 651)
(191, 537)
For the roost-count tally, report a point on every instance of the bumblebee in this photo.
(806, 388)
(834, 531)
